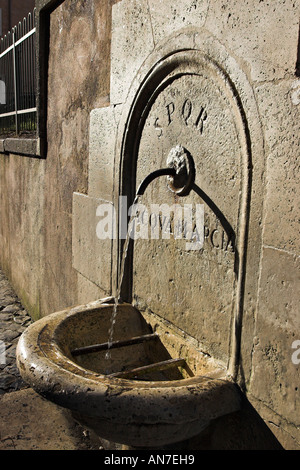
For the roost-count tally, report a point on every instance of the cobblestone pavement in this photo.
(28, 421)
(13, 321)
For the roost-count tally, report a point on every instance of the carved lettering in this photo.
(187, 111)
(218, 239)
(170, 110)
(202, 116)
(166, 222)
(158, 128)
(213, 239)
(229, 245)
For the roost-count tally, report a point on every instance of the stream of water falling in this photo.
(120, 279)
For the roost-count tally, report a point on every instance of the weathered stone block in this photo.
(280, 119)
(168, 17)
(275, 377)
(103, 129)
(258, 33)
(91, 255)
(132, 41)
(87, 290)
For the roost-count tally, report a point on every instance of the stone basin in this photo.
(118, 397)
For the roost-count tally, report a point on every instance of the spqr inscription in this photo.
(186, 111)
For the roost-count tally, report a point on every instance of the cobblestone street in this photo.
(28, 421)
(13, 321)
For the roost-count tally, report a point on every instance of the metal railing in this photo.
(17, 79)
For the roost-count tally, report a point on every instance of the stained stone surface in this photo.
(195, 288)
(28, 421)
(256, 44)
(13, 321)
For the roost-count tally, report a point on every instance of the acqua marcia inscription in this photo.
(163, 225)
(188, 112)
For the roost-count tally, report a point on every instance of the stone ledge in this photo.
(21, 146)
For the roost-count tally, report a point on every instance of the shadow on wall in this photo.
(242, 430)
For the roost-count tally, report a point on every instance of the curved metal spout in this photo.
(155, 174)
(180, 172)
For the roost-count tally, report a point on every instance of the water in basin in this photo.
(161, 350)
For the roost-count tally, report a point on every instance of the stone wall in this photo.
(36, 194)
(245, 54)
(238, 62)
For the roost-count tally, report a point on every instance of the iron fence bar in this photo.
(17, 55)
(15, 82)
(6, 51)
(27, 35)
(19, 111)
